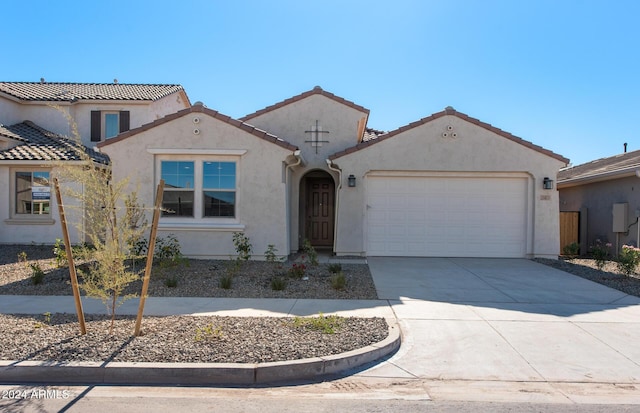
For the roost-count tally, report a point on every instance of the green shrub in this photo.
(242, 245)
(297, 271)
(22, 257)
(167, 251)
(60, 253)
(208, 332)
(628, 259)
(226, 281)
(571, 250)
(311, 253)
(335, 268)
(37, 275)
(278, 283)
(326, 325)
(338, 281)
(171, 282)
(600, 253)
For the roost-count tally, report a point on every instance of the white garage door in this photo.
(446, 216)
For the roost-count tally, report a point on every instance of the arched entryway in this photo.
(317, 208)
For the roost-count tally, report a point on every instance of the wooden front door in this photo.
(319, 211)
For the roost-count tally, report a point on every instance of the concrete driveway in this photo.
(507, 320)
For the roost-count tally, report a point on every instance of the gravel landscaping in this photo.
(55, 337)
(609, 275)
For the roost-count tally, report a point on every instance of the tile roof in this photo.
(315, 91)
(452, 112)
(370, 134)
(614, 166)
(38, 144)
(72, 92)
(200, 108)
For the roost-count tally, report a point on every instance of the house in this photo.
(36, 121)
(598, 201)
(308, 167)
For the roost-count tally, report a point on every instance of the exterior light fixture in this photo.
(352, 181)
(547, 183)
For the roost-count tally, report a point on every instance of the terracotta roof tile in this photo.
(199, 108)
(601, 167)
(315, 91)
(39, 144)
(451, 112)
(72, 92)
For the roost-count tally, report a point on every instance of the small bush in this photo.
(22, 258)
(60, 253)
(270, 255)
(208, 332)
(338, 281)
(326, 325)
(297, 271)
(226, 281)
(335, 268)
(311, 253)
(171, 282)
(600, 253)
(278, 283)
(628, 259)
(168, 252)
(571, 250)
(37, 275)
(242, 245)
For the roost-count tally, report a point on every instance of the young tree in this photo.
(110, 222)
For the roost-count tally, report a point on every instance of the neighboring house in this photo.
(37, 120)
(309, 168)
(599, 201)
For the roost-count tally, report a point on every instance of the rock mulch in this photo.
(609, 275)
(55, 337)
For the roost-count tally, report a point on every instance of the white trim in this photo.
(32, 221)
(188, 151)
(199, 226)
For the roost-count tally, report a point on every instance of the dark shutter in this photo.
(96, 129)
(124, 121)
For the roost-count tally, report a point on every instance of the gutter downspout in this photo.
(338, 187)
(300, 161)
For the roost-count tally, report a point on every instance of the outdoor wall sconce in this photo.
(352, 181)
(547, 183)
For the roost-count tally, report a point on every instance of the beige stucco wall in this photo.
(423, 148)
(290, 123)
(53, 118)
(261, 190)
(39, 229)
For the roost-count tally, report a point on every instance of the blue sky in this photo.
(564, 74)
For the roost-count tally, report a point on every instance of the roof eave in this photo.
(599, 177)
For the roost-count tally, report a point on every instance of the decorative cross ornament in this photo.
(315, 136)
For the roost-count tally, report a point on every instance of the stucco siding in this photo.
(598, 199)
(261, 209)
(473, 149)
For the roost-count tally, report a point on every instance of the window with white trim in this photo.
(32, 193)
(199, 188)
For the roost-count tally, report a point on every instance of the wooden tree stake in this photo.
(72, 266)
(150, 249)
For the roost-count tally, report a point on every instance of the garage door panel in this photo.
(446, 216)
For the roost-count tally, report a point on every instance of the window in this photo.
(105, 125)
(178, 196)
(32, 193)
(219, 185)
(199, 189)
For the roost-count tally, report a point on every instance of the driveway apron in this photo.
(506, 319)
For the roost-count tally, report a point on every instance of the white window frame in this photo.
(199, 221)
(103, 121)
(16, 218)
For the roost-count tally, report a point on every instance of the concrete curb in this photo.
(88, 373)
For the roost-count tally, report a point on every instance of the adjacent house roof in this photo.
(200, 108)
(451, 112)
(72, 92)
(617, 166)
(38, 144)
(315, 91)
